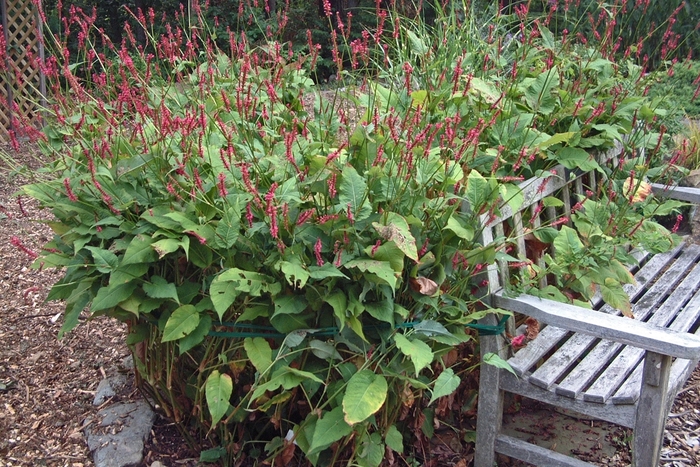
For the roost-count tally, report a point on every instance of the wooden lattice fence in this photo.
(21, 79)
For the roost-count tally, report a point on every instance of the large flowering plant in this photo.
(305, 263)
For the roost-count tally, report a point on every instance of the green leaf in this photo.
(478, 191)
(382, 311)
(382, 269)
(329, 429)
(161, 288)
(226, 287)
(294, 272)
(498, 362)
(567, 242)
(339, 302)
(364, 395)
(539, 93)
(182, 321)
(285, 377)
(218, 389)
(352, 190)
(445, 384)
(615, 296)
(577, 158)
(228, 229)
(76, 302)
(394, 439)
(463, 232)
(395, 229)
(259, 353)
(418, 351)
(170, 245)
(212, 455)
(324, 350)
(552, 202)
(112, 295)
(139, 251)
(512, 195)
(387, 252)
(371, 451)
(417, 45)
(290, 305)
(557, 139)
(197, 336)
(105, 260)
(325, 271)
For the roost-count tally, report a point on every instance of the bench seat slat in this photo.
(605, 351)
(559, 363)
(629, 391)
(551, 336)
(624, 363)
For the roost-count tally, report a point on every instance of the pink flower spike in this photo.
(317, 252)
(16, 242)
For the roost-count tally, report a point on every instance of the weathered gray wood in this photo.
(651, 415)
(489, 421)
(621, 415)
(680, 193)
(559, 363)
(536, 455)
(629, 391)
(623, 364)
(623, 330)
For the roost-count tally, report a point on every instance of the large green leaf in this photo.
(418, 351)
(259, 353)
(615, 296)
(294, 272)
(567, 242)
(226, 287)
(286, 378)
(382, 311)
(381, 269)
(181, 322)
(229, 228)
(161, 288)
(577, 158)
(364, 395)
(496, 360)
(218, 390)
(352, 190)
(105, 260)
(112, 295)
(539, 93)
(462, 231)
(478, 191)
(445, 384)
(197, 336)
(395, 229)
(394, 439)
(339, 302)
(139, 251)
(329, 429)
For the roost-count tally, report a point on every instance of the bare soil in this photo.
(47, 386)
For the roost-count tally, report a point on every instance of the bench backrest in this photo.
(567, 185)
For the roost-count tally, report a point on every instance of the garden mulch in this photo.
(47, 386)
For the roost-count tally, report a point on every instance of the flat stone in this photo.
(119, 440)
(108, 387)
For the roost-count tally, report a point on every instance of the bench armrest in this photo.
(681, 193)
(605, 326)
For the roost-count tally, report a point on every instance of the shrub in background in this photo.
(298, 270)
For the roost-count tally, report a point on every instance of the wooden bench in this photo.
(594, 362)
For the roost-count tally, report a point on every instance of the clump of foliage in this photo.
(678, 88)
(297, 280)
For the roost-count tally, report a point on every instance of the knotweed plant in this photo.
(298, 269)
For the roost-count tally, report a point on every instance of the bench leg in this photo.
(651, 412)
(490, 408)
